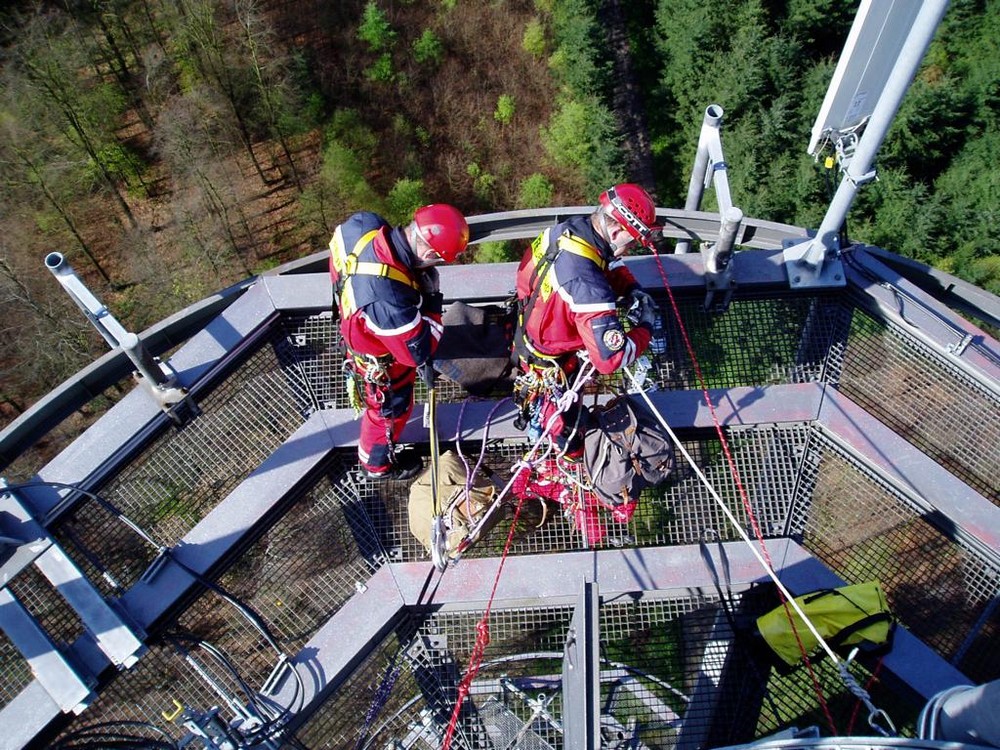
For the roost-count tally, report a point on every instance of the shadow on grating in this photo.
(673, 673)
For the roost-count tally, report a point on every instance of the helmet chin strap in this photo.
(616, 247)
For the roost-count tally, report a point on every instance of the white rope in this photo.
(528, 460)
(736, 524)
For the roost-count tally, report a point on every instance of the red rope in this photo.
(739, 483)
(482, 638)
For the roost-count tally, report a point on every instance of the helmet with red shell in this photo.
(632, 207)
(444, 228)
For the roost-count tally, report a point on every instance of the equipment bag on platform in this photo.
(626, 450)
(475, 347)
(848, 616)
(459, 512)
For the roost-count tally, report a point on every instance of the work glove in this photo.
(643, 310)
(429, 283)
(432, 304)
(426, 372)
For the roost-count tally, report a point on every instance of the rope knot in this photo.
(482, 633)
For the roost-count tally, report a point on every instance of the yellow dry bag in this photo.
(846, 616)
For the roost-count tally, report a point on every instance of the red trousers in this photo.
(388, 403)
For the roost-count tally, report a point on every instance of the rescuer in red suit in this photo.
(387, 291)
(569, 283)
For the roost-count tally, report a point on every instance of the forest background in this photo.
(169, 148)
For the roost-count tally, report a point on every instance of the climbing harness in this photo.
(366, 377)
(347, 266)
(529, 459)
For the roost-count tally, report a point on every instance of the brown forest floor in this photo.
(156, 270)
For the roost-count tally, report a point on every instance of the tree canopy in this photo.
(171, 147)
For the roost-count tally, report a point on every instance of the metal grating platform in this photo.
(796, 378)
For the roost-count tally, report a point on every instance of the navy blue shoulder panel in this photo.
(584, 282)
(357, 225)
(388, 304)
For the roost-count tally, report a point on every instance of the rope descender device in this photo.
(439, 534)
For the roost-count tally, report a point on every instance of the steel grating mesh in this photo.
(330, 540)
(51, 613)
(756, 342)
(925, 399)
(149, 690)
(49, 609)
(672, 675)
(310, 350)
(680, 511)
(939, 588)
(306, 566)
(183, 474)
(15, 674)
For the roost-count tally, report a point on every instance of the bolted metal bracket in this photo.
(719, 281)
(176, 402)
(803, 273)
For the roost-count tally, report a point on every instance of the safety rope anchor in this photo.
(878, 719)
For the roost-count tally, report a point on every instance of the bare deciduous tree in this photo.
(51, 56)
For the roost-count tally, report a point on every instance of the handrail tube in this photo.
(97, 313)
(708, 154)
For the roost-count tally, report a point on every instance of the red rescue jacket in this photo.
(376, 291)
(575, 306)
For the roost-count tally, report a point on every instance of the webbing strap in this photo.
(348, 266)
(584, 249)
(543, 264)
(367, 268)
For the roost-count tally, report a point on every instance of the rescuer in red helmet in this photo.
(387, 291)
(569, 283)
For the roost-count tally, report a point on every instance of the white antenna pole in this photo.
(859, 169)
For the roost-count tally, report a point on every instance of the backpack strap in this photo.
(348, 266)
(545, 256)
(836, 640)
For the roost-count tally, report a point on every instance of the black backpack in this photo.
(626, 450)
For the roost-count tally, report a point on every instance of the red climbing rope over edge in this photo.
(482, 638)
(751, 516)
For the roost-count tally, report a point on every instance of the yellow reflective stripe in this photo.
(347, 304)
(578, 247)
(337, 253)
(381, 269)
(539, 246)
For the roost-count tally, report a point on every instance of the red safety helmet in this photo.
(632, 207)
(444, 228)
